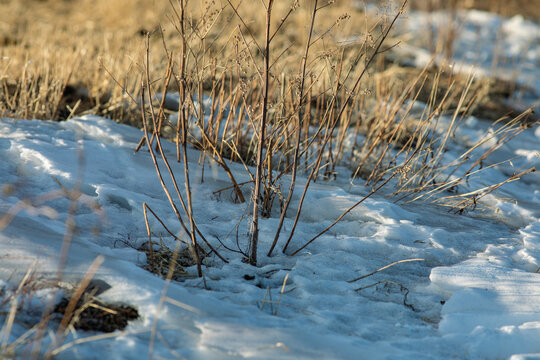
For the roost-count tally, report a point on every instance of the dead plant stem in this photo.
(261, 143)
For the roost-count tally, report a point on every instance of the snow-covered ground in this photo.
(485, 44)
(472, 291)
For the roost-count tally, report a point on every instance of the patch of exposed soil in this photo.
(92, 314)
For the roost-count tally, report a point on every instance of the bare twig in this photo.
(262, 134)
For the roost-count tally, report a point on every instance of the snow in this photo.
(472, 291)
(486, 44)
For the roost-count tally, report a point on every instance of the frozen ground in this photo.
(475, 294)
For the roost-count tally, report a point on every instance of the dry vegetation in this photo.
(286, 98)
(57, 56)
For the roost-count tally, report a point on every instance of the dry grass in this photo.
(54, 54)
(57, 56)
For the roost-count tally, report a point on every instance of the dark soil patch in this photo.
(76, 98)
(94, 315)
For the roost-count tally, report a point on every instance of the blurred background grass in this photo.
(67, 57)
